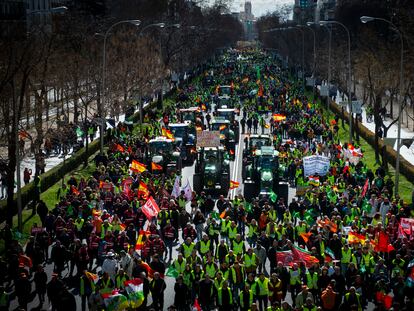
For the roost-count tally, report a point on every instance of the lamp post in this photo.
(136, 23)
(367, 19)
(303, 53)
(314, 55)
(324, 23)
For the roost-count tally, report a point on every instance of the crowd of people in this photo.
(342, 244)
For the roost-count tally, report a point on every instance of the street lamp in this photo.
(329, 59)
(303, 52)
(136, 23)
(367, 19)
(324, 23)
(314, 54)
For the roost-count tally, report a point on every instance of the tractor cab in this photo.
(185, 140)
(162, 152)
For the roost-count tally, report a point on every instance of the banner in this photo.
(188, 193)
(176, 189)
(407, 225)
(316, 164)
(150, 208)
(208, 139)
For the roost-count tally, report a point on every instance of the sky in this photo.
(260, 7)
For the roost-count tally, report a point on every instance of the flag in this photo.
(115, 301)
(273, 196)
(277, 117)
(167, 133)
(385, 299)
(122, 227)
(306, 236)
(101, 184)
(234, 184)
(135, 291)
(188, 193)
(286, 257)
(175, 193)
(156, 167)
(330, 253)
(383, 244)
(314, 181)
(222, 127)
(137, 167)
(150, 208)
(143, 190)
(120, 148)
(203, 107)
(354, 237)
(171, 272)
(96, 213)
(141, 239)
(304, 256)
(150, 271)
(196, 305)
(215, 215)
(92, 276)
(23, 134)
(128, 192)
(365, 188)
(79, 132)
(333, 227)
(223, 214)
(75, 191)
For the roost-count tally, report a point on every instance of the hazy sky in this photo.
(260, 7)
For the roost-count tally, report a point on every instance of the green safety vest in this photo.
(322, 247)
(241, 298)
(179, 267)
(234, 274)
(249, 261)
(312, 280)
(252, 231)
(218, 283)
(346, 256)
(220, 296)
(305, 308)
(187, 278)
(78, 224)
(294, 277)
(211, 270)
(238, 247)
(232, 233)
(204, 247)
(225, 226)
(358, 299)
(119, 281)
(188, 249)
(263, 286)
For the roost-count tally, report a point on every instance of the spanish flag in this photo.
(156, 167)
(203, 107)
(143, 190)
(354, 237)
(137, 167)
(167, 133)
(75, 191)
(305, 236)
(279, 117)
(234, 184)
(141, 239)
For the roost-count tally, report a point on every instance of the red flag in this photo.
(128, 192)
(383, 244)
(75, 191)
(286, 257)
(150, 208)
(197, 305)
(302, 255)
(354, 237)
(143, 190)
(119, 148)
(156, 167)
(365, 189)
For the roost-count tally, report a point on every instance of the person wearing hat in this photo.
(110, 265)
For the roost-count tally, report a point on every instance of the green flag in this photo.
(171, 272)
(248, 207)
(273, 196)
(79, 132)
(215, 215)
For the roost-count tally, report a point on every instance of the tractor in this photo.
(185, 140)
(212, 171)
(260, 175)
(254, 142)
(162, 151)
(227, 137)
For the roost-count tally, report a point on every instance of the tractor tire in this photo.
(197, 185)
(225, 184)
(250, 191)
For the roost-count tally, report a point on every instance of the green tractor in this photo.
(162, 151)
(254, 143)
(212, 171)
(227, 136)
(261, 173)
(230, 115)
(184, 139)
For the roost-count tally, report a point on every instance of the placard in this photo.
(208, 139)
(316, 164)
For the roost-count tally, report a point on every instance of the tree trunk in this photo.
(377, 120)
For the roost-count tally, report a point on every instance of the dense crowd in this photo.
(340, 245)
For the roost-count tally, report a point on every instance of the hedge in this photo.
(406, 168)
(51, 177)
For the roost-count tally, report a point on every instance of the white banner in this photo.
(316, 164)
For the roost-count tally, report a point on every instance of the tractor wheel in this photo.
(249, 190)
(197, 186)
(225, 184)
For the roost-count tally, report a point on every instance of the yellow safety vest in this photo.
(234, 274)
(312, 280)
(346, 256)
(211, 270)
(188, 249)
(241, 298)
(179, 267)
(204, 247)
(263, 286)
(249, 261)
(238, 247)
(294, 277)
(232, 233)
(220, 296)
